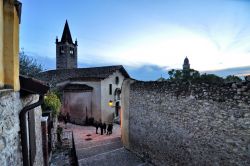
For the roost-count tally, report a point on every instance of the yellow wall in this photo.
(9, 59)
(1, 46)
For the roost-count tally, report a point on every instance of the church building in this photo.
(86, 92)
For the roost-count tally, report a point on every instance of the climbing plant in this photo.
(52, 102)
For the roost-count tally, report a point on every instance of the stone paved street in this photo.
(102, 150)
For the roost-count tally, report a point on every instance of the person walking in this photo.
(104, 127)
(96, 127)
(101, 125)
(111, 128)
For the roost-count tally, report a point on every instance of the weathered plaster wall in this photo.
(1, 47)
(78, 104)
(38, 128)
(11, 45)
(125, 111)
(107, 111)
(10, 142)
(93, 99)
(183, 124)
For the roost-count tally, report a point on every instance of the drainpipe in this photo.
(23, 128)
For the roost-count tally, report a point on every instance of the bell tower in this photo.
(66, 50)
(186, 67)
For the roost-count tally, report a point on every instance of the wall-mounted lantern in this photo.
(110, 103)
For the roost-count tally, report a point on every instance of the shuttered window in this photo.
(110, 89)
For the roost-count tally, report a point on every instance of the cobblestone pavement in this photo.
(102, 150)
(61, 157)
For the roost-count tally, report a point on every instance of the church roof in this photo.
(77, 87)
(66, 36)
(92, 73)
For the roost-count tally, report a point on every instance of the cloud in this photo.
(238, 71)
(169, 46)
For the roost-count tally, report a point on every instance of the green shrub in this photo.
(52, 102)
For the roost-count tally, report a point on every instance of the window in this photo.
(71, 51)
(110, 89)
(117, 80)
(61, 50)
(117, 94)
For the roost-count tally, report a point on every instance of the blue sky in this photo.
(148, 37)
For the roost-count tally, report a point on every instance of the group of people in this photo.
(104, 128)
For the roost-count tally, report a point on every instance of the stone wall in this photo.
(10, 142)
(10, 145)
(189, 124)
(66, 60)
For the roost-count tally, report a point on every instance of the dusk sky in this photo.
(148, 37)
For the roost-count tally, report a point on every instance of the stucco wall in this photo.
(183, 124)
(125, 111)
(107, 111)
(93, 99)
(10, 142)
(38, 128)
(78, 104)
(11, 45)
(1, 46)
(9, 48)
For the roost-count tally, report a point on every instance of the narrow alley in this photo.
(102, 150)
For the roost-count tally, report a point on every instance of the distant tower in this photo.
(66, 50)
(186, 67)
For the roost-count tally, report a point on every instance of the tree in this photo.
(211, 78)
(190, 74)
(175, 74)
(28, 66)
(232, 78)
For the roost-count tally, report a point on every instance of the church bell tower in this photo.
(186, 67)
(66, 50)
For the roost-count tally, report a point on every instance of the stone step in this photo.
(95, 150)
(86, 144)
(116, 157)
